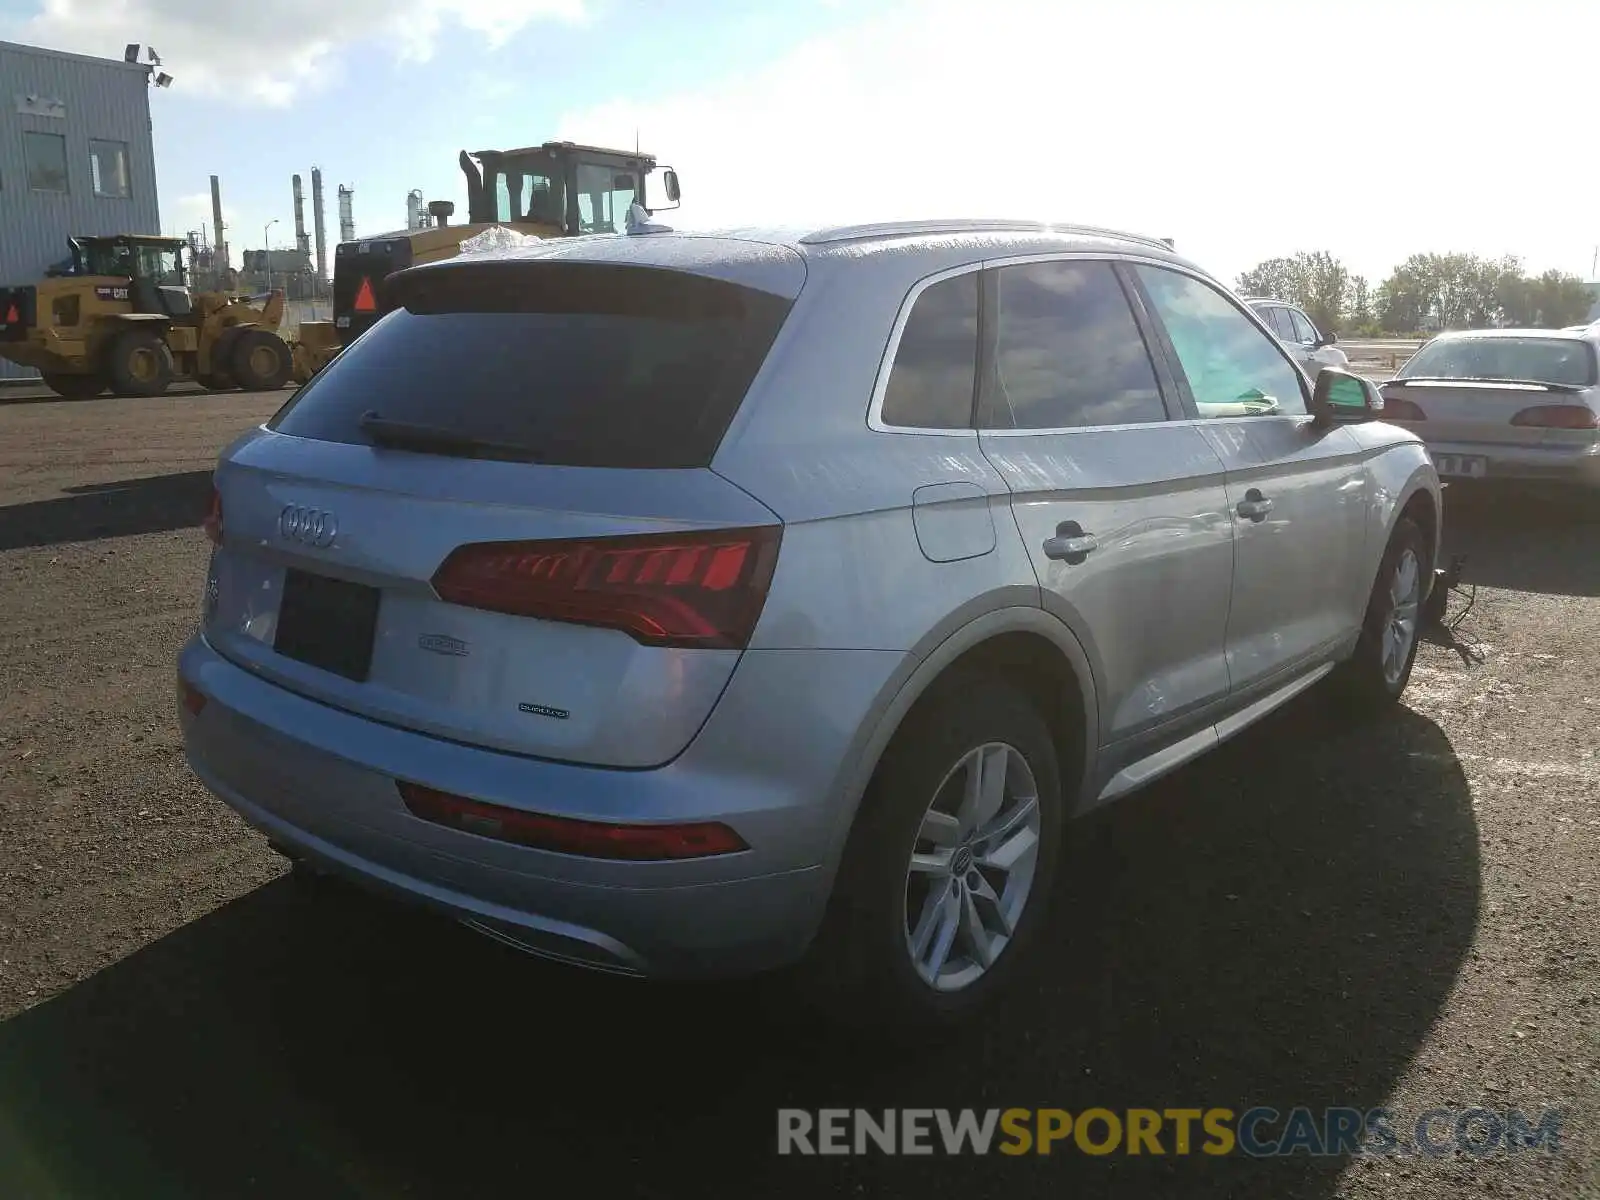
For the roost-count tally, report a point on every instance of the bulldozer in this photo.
(555, 190)
(120, 316)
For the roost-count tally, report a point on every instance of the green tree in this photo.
(1358, 302)
(1558, 299)
(1314, 280)
(1408, 298)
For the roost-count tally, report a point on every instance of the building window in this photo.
(108, 163)
(45, 157)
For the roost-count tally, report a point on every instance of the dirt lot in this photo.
(1406, 916)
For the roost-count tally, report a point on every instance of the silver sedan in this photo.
(1505, 404)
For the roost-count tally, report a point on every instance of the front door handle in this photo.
(1070, 544)
(1254, 505)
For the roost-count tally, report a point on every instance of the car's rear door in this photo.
(1119, 501)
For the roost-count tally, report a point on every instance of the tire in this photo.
(260, 361)
(221, 357)
(864, 964)
(1376, 675)
(140, 364)
(75, 387)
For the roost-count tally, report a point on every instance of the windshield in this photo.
(604, 194)
(1565, 361)
(582, 365)
(528, 190)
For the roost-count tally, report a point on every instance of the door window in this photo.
(1233, 369)
(935, 365)
(1304, 331)
(1068, 352)
(1279, 321)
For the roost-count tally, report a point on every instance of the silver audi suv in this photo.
(688, 604)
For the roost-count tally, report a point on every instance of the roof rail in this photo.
(850, 233)
(884, 229)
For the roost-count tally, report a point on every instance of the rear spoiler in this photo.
(1520, 385)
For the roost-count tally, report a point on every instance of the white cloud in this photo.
(1242, 129)
(267, 52)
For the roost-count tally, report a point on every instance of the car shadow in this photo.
(1278, 924)
(156, 504)
(1525, 540)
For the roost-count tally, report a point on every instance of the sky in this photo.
(1243, 130)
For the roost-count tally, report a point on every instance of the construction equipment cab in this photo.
(122, 317)
(559, 189)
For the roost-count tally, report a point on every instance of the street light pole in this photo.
(266, 240)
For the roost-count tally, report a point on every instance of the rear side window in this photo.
(1068, 352)
(936, 363)
(573, 364)
(1304, 330)
(1281, 322)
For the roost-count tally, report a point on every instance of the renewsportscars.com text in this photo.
(1259, 1132)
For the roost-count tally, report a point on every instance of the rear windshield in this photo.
(1532, 360)
(577, 364)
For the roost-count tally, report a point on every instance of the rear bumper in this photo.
(1552, 464)
(321, 782)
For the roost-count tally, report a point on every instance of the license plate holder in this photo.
(1462, 466)
(327, 623)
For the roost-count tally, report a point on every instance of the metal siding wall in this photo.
(104, 100)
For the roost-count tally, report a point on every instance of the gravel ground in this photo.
(1316, 915)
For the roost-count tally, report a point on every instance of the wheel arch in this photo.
(1025, 644)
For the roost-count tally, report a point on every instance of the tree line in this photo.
(1427, 291)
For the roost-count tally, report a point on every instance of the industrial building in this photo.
(75, 156)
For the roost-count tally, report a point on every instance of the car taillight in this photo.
(701, 588)
(190, 697)
(1396, 409)
(1557, 416)
(564, 835)
(212, 523)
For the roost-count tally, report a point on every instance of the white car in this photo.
(1311, 348)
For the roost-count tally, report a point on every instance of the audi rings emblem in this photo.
(309, 526)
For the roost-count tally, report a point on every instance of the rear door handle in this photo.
(1254, 505)
(1070, 544)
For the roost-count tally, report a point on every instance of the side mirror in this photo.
(669, 180)
(1326, 339)
(1341, 397)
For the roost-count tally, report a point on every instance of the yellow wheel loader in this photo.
(556, 190)
(121, 317)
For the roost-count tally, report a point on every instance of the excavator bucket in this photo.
(272, 312)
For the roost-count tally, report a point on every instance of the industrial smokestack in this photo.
(414, 210)
(216, 224)
(347, 220)
(316, 223)
(302, 243)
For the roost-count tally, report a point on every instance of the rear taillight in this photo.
(212, 523)
(1396, 409)
(1557, 416)
(702, 588)
(563, 835)
(190, 697)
